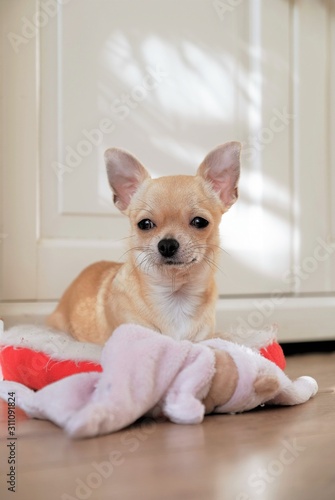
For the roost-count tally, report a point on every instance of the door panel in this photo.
(168, 87)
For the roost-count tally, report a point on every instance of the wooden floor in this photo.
(268, 454)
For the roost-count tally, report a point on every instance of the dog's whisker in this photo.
(126, 237)
(213, 265)
(130, 250)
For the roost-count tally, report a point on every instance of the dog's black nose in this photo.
(168, 247)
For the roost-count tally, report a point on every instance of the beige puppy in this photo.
(168, 280)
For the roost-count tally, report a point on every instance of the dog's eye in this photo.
(145, 224)
(199, 222)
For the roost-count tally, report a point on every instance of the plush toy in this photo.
(142, 373)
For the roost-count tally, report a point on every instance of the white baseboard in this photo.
(298, 318)
(14, 313)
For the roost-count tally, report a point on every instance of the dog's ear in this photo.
(221, 168)
(125, 175)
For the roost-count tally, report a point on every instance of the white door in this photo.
(169, 81)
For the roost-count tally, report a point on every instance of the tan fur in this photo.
(175, 298)
(224, 381)
(266, 385)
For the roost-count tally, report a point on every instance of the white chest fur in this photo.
(178, 305)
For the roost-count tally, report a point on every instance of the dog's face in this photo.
(175, 220)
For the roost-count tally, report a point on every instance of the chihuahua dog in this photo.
(168, 280)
